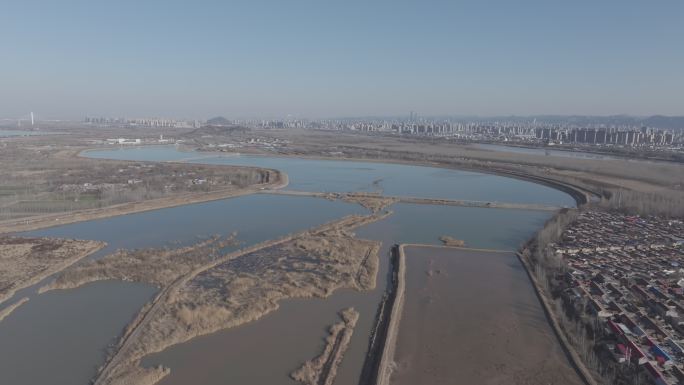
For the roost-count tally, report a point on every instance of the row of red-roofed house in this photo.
(632, 352)
(655, 374)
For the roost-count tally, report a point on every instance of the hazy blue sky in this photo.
(340, 58)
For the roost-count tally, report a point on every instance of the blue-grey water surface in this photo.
(59, 338)
(266, 351)
(345, 176)
(237, 355)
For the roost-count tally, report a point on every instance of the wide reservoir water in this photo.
(60, 337)
(345, 176)
(268, 350)
(255, 218)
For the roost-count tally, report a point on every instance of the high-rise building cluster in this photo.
(143, 122)
(627, 137)
(515, 131)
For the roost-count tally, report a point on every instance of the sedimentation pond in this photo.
(61, 337)
(272, 347)
(454, 324)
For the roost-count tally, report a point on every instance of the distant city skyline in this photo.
(173, 59)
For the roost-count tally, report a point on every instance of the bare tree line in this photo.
(669, 204)
(40, 181)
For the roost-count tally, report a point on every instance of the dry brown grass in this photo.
(44, 179)
(373, 202)
(451, 241)
(26, 261)
(158, 266)
(9, 309)
(246, 287)
(323, 369)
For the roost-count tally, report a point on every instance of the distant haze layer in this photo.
(354, 58)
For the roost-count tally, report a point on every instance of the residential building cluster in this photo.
(271, 123)
(607, 135)
(497, 131)
(626, 273)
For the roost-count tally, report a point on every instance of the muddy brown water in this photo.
(268, 350)
(295, 331)
(472, 317)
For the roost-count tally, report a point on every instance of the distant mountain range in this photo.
(668, 122)
(218, 126)
(219, 121)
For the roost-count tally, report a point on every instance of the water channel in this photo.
(60, 337)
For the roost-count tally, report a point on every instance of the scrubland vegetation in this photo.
(157, 266)
(40, 179)
(243, 286)
(26, 261)
(9, 309)
(373, 202)
(323, 369)
(451, 241)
